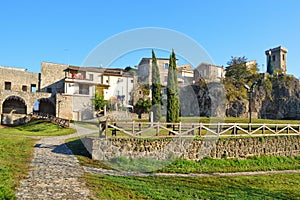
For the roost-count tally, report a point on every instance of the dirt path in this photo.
(127, 173)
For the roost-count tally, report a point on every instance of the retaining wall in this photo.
(193, 149)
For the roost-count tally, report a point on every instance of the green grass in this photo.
(208, 165)
(279, 186)
(38, 128)
(276, 186)
(16, 154)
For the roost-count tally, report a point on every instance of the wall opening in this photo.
(44, 105)
(14, 104)
(7, 86)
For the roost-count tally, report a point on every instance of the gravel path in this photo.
(55, 172)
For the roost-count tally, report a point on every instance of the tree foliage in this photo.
(156, 89)
(142, 106)
(173, 104)
(239, 73)
(99, 101)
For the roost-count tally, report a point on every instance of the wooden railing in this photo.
(59, 121)
(157, 129)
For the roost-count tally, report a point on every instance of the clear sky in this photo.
(65, 31)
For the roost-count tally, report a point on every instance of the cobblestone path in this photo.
(55, 173)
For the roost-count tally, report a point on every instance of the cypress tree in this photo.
(173, 104)
(156, 89)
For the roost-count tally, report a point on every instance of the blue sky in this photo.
(67, 31)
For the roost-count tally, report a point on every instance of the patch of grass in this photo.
(38, 128)
(15, 157)
(208, 165)
(279, 186)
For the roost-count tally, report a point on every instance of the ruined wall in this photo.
(102, 149)
(29, 99)
(64, 106)
(20, 79)
(52, 77)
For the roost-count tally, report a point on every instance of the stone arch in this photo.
(14, 104)
(45, 105)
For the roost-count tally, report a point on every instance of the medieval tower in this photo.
(276, 59)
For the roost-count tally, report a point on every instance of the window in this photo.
(91, 76)
(273, 58)
(131, 80)
(7, 85)
(33, 88)
(83, 89)
(24, 88)
(49, 90)
(283, 57)
(166, 65)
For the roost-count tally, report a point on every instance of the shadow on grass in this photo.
(83, 156)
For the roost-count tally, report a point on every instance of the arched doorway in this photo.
(14, 104)
(44, 105)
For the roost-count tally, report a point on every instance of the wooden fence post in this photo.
(106, 128)
(157, 129)
(133, 132)
(193, 131)
(200, 129)
(179, 129)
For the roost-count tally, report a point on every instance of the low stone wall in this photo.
(13, 119)
(160, 149)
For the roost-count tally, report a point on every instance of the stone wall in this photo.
(29, 99)
(160, 149)
(20, 79)
(52, 77)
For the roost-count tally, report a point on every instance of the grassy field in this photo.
(280, 186)
(15, 157)
(38, 128)
(16, 152)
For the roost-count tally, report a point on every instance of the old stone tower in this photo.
(276, 59)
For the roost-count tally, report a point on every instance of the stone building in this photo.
(20, 90)
(61, 90)
(276, 59)
(144, 70)
(209, 72)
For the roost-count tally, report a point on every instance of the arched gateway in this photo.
(14, 104)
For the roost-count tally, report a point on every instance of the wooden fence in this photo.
(59, 121)
(157, 129)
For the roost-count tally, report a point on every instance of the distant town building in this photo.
(144, 70)
(185, 75)
(208, 72)
(62, 90)
(276, 59)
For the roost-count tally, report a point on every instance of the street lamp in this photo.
(250, 91)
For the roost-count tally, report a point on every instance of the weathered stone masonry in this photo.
(102, 149)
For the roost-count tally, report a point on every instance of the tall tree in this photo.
(173, 104)
(156, 89)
